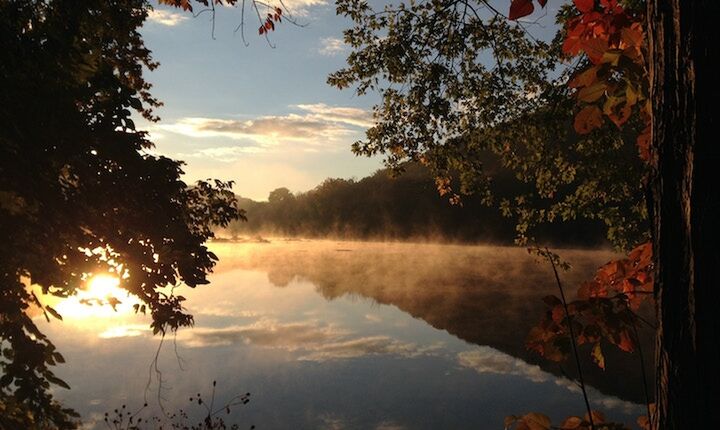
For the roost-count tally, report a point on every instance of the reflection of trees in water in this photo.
(483, 295)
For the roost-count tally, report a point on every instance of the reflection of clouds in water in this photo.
(373, 318)
(369, 345)
(224, 309)
(315, 341)
(489, 360)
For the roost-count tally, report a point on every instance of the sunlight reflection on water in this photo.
(408, 335)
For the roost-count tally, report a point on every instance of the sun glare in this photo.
(102, 286)
(101, 297)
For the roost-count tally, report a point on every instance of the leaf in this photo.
(632, 36)
(570, 423)
(585, 78)
(588, 119)
(598, 417)
(611, 56)
(597, 356)
(53, 312)
(584, 6)
(594, 48)
(592, 93)
(520, 8)
(551, 301)
(537, 421)
(57, 381)
(542, 3)
(509, 420)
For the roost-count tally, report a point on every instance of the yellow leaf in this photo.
(593, 92)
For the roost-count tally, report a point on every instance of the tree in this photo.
(80, 192)
(685, 205)
(457, 79)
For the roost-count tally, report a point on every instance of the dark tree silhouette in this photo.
(685, 207)
(80, 192)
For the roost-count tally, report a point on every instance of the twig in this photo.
(572, 340)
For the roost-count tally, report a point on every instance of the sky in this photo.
(261, 116)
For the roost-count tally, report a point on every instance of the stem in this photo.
(572, 339)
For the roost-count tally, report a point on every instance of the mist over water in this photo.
(340, 334)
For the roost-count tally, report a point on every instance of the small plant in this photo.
(124, 419)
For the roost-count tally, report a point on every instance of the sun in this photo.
(102, 296)
(102, 286)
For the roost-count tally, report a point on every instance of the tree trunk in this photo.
(685, 209)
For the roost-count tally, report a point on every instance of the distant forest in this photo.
(405, 207)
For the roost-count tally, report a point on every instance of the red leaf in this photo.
(542, 3)
(584, 6)
(520, 8)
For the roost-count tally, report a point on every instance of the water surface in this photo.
(336, 335)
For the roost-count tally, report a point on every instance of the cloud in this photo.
(319, 127)
(314, 341)
(125, 331)
(331, 46)
(300, 8)
(489, 360)
(337, 114)
(166, 17)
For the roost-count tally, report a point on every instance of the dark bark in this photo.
(685, 210)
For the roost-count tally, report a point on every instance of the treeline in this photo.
(406, 207)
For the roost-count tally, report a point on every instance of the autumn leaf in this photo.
(588, 119)
(597, 417)
(571, 423)
(592, 93)
(520, 8)
(584, 6)
(585, 78)
(594, 48)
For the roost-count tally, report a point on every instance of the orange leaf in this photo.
(594, 48)
(536, 421)
(598, 417)
(584, 6)
(588, 119)
(571, 423)
(520, 8)
(585, 78)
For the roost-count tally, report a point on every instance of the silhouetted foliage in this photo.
(403, 207)
(80, 191)
(459, 81)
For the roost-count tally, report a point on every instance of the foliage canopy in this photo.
(81, 191)
(461, 85)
